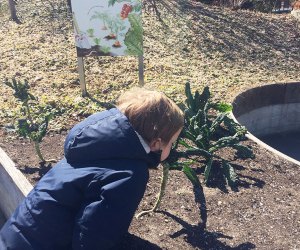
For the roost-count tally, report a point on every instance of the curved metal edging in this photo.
(266, 146)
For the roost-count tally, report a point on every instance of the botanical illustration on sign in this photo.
(108, 27)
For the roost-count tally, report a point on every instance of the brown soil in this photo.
(262, 213)
(230, 51)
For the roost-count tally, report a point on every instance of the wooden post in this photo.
(141, 70)
(82, 76)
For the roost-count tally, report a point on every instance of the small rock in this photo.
(38, 78)
(75, 82)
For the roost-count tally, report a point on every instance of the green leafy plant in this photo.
(208, 129)
(36, 118)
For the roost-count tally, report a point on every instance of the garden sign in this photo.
(108, 28)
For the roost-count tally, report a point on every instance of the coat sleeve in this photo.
(111, 202)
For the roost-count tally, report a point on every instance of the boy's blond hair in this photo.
(152, 114)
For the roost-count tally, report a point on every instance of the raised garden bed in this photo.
(263, 211)
(13, 186)
(271, 112)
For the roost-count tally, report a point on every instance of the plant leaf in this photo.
(188, 135)
(203, 98)
(234, 127)
(229, 173)
(225, 142)
(190, 100)
(220, 118)
(222, 107)
(191, 175)
(23, 128)
(207, 170)
(183, 143)
(175, 166)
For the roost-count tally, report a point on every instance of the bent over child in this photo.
(88, 199)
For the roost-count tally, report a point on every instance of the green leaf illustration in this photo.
(111, 2)
(134, 37)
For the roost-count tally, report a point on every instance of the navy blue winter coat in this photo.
(88, 199)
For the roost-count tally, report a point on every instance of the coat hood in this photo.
(106, 135)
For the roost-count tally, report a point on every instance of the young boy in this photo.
(89, 198)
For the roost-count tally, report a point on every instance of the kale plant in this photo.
(208, 129)
(36, 118)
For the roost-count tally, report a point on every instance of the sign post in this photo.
(82, 76)
(141, 70)
(111, 28)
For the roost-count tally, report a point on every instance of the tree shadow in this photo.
(236, 34)
(154, 6)
(132, 242)
(200, 238)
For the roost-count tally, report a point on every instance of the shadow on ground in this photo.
(200, 238)
(132, 242)
(38, 172)
(257, 38)
(217, 179)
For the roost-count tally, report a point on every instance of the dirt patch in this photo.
(262, 213)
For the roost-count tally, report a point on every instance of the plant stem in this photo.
(38, 151)
(28, 112)
(200, 199)
(166, 168)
